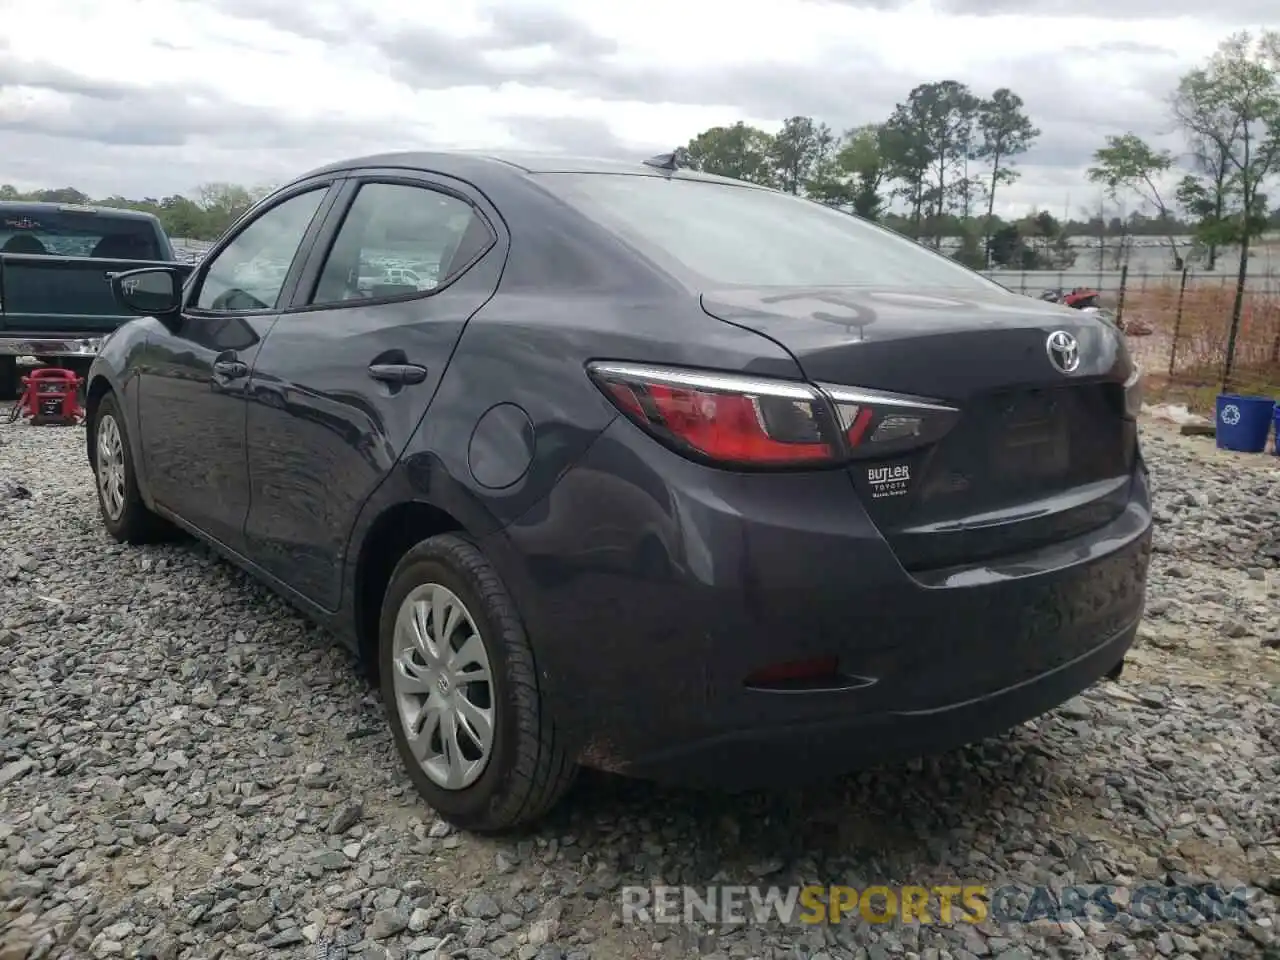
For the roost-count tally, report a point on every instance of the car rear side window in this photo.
(731, 235)
(72, 233)
(400, 240)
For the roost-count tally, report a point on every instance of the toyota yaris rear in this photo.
(935, 528)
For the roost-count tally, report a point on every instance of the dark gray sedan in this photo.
(656, 472)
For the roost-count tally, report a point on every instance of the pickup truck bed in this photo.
(75, 290)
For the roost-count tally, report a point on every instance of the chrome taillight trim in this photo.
(877, 398)
(704, 380)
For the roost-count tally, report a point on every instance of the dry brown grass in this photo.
(1198, 352)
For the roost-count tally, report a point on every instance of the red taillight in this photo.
(735, 419)
(726, 418)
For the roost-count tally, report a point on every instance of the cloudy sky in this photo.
(149, 97)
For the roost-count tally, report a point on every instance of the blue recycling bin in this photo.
(1243, 422)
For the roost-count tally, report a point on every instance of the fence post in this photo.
(1124, 279)
(1177, 323)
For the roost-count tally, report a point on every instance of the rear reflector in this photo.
(794, 672)
(731, 419)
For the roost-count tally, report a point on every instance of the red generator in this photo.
(50, 397)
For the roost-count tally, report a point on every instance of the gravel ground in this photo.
(188, 769)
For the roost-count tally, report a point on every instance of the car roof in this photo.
(37, 207)
(472, 165)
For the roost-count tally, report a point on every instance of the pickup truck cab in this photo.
(56, 261)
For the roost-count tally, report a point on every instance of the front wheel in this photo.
(123, 511)
(461, 692)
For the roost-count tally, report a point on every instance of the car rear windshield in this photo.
(76, 234)
(731, 235)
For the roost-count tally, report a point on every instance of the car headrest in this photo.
(23, 243)
(118, 246)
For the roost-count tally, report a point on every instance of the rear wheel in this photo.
(461, 691)
(124, 514)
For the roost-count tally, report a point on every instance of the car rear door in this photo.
(348, 371)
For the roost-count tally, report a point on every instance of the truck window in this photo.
(73, 234)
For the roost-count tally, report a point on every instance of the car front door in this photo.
(349, 369)
(194, 377)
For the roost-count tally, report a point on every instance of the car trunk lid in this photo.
(1036, 455)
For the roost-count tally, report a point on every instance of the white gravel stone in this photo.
(187, 772)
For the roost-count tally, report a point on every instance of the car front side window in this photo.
(250, 271)
(399, 240)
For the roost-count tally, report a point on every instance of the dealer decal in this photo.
(889, 481)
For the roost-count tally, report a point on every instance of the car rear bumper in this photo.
(31, 345)
(652, 588)
(795, 754)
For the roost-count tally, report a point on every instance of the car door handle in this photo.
(231, 369)
(398, 373)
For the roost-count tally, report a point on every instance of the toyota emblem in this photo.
(1064, 351)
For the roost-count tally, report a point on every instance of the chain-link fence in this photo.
(1179, 327)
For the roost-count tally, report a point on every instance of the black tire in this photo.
(135, 523)
(8, 379)
(528, 771)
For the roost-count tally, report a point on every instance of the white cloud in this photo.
(148, 97)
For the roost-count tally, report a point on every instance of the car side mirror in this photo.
(149, 291)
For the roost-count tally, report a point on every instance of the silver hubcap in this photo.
(443, 686)
(110, 456)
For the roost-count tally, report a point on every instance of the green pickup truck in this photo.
(55, 296)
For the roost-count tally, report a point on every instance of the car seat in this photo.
(24, 243)
(119, 246)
